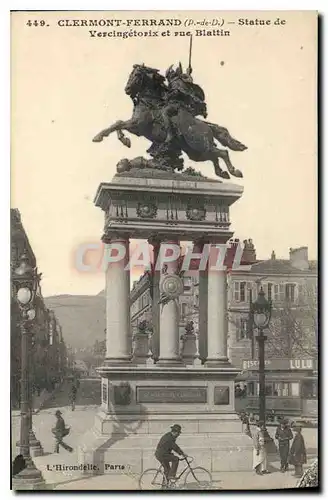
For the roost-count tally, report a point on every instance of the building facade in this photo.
(48, 359)
(291, 285)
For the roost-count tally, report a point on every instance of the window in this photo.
(290, 292)
(310, 389)
(281, 389)
(275, 293)
(236, 291)
(242, 291)
(295, 389)
(252, 389)
(243, 328)
(268, 390)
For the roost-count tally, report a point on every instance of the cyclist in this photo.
(164, 453)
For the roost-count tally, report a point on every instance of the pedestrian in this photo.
(164, 453)
(260, 461)
(245, 424)
(283, 436)
(73, 395)
(297, 454)
(60, 431)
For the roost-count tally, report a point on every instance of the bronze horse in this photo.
(195, 137)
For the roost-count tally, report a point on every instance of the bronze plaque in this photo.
(165, 394)
(221, 395)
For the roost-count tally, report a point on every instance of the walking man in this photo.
(283, 436)
(73, 395)
(60, 431)
(164, 453)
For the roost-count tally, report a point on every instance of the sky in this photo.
(260, 83)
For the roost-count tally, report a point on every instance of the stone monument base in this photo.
(140, 404)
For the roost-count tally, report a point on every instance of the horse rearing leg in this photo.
(224, 154)
(219, 172)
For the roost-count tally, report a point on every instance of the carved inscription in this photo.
(164, 394)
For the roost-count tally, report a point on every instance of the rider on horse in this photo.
(181, 90)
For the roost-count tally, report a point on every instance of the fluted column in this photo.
(217, 312)
(169, 352)
(118, 338)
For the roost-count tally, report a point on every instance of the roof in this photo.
(280, 266)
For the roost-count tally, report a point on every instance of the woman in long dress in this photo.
(260, 461)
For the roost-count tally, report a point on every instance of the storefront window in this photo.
(285, 390)
(309, 389)
(295, 388)
(280, 389)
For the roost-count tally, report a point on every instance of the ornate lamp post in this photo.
(25, 280)
(261, 313)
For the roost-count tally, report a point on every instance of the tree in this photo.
(293, 330)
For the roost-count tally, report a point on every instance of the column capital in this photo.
(154, 240)
(200, 242)
(110, 237)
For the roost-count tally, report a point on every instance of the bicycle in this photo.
(195, 478)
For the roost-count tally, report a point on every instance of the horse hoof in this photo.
(237, 173)
(98, 138)
(127, 142)
(225, 175)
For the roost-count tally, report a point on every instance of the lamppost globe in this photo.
(260, 320)
(24, 295)
(261, 310)
(24, 269)
(31, 314)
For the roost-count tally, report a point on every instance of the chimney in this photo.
(298, 258)
(249, 252)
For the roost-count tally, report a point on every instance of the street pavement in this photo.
(82, 419)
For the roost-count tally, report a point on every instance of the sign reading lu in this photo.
(281, 364)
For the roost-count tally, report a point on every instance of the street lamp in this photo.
(261, 314)
(25, 280)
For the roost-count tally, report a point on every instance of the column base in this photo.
(117, 361)
(170, 362)
(36, 449)
(29, 479)
(218, 362)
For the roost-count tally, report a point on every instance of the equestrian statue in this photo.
(166, 111)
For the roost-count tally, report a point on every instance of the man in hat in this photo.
(283, 436)
(60, 431)
(164, 450)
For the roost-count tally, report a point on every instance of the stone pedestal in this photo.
(135, 414)
(140, 401)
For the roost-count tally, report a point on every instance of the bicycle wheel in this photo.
(198, 479)
(152, 479)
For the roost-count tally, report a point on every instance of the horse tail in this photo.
(222, 135)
